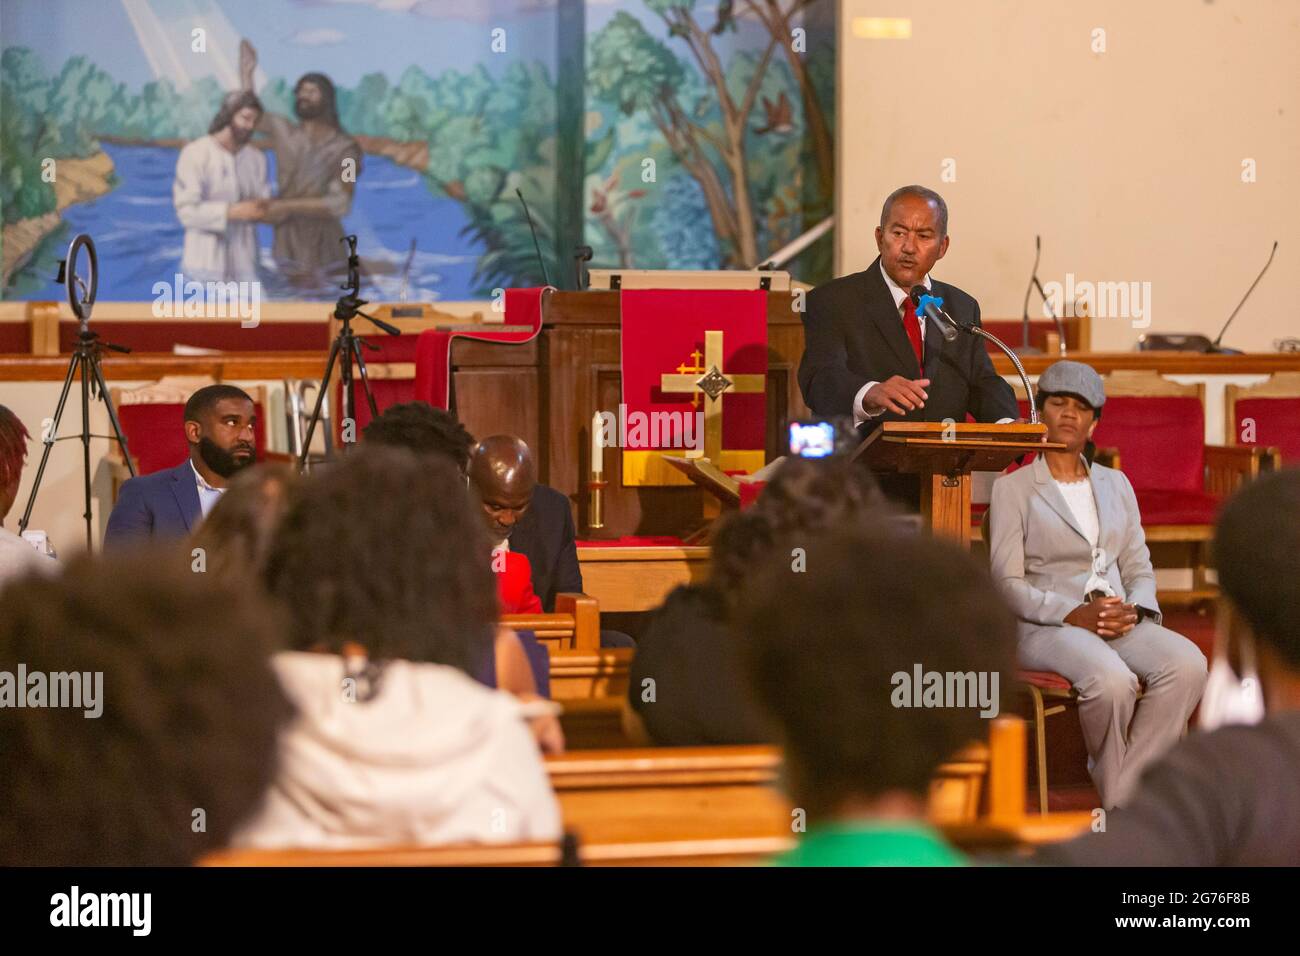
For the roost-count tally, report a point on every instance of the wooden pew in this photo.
(711, 805)
(972, 839)
(622, 795)
(709, 852)
(590, 675)
(575, 625)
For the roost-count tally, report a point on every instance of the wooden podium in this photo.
(943, 455)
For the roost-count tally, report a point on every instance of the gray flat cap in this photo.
(1073, 378)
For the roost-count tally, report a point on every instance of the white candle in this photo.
(597, 446)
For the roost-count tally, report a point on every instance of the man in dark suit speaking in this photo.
(867, 354)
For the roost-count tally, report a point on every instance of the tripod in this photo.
(347, 344)
(85, 358)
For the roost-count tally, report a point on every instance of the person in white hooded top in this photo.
(384, 568)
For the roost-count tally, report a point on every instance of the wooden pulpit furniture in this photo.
(943, 455)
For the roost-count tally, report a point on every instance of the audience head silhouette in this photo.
(183, 746)
(383, 549)
(423, 429)
(822, 638)
(803, 496)
(236, 537)
(1255, 546)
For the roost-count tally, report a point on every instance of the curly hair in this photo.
(804, 496)
(13, 446)
(821, 648)
(423, 429)
(190, 713)
(236, 537)
(385, 549)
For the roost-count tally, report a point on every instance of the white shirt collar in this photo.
(897, 291)
(203, 482)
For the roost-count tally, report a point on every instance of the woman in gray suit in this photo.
(1069, 554)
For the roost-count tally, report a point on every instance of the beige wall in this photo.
(1128, 162)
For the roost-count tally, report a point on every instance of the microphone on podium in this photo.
(929, 305)
(949, 326)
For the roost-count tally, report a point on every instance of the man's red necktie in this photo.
(913, 328)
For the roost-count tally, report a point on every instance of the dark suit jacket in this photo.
(853, 335)
(545, 535)
(162, 505)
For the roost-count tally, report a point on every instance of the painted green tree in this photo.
(704, 111)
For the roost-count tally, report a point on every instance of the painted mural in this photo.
(241, 139)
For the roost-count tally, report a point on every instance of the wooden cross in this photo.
(713, 384)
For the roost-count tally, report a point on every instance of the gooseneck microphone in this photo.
(1215, 346)
(928, 305)
(950, 327)
(533, 229)
(1025, 347)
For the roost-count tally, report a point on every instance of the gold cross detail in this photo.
(695, 366)
(713, 384)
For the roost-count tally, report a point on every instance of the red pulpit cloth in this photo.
(663, 332)
(433, 348)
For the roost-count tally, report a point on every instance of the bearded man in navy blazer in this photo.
(171, 503)
(867, 354)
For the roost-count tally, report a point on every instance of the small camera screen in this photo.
(812, 439)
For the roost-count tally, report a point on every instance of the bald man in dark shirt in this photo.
(532, 519)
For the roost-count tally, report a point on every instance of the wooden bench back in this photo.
(574, 626)
(703, 805)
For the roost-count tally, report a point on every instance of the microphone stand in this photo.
(1215, 347)
(1020, 369)
(1025, 347)
(85, 358)
(348, 344)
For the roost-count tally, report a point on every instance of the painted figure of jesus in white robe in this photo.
(220, 193)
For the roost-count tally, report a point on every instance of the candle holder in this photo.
(596, 508)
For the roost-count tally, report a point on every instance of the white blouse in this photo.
(1078, 495)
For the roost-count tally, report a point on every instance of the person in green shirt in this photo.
(856, 646)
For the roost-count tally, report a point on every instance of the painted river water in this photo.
(139, 238)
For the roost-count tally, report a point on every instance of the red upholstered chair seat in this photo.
(1276, 423)
(155, 434)
(1165, 506)
(1043, 680)
(1161, 441)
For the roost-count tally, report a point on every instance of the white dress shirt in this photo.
(208, 495)
(208, 179)
(860, 414)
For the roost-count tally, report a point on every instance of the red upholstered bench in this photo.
(1157, 431)
(1266, 416)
